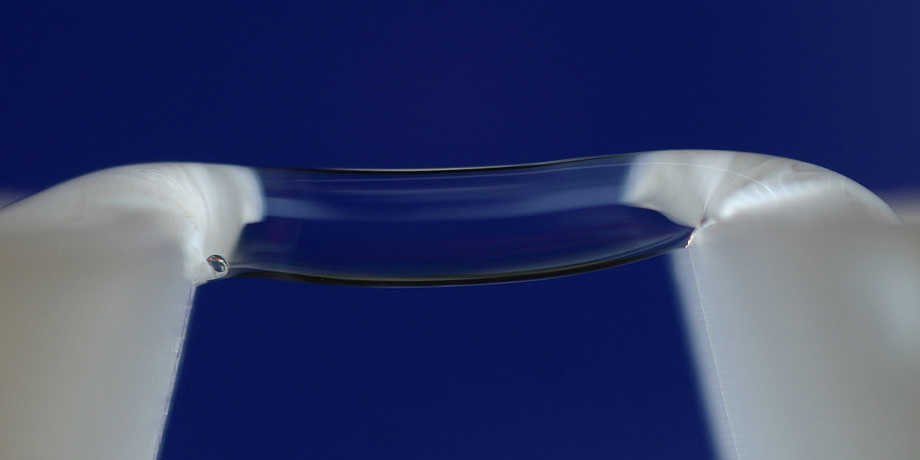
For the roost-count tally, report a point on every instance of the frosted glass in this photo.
(799, 286)
(801, 293)
(97, 278)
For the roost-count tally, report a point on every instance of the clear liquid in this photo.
(451, 226)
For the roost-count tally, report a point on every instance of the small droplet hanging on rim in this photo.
(219, 265)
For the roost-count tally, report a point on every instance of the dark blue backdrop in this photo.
(589, 366)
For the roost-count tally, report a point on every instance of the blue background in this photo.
(588, 366)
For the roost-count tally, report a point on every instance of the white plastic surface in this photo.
(96, 282)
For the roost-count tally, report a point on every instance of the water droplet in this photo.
(219, 265)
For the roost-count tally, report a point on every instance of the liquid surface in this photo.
(451, 226)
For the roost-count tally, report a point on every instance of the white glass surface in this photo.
(799, 288)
